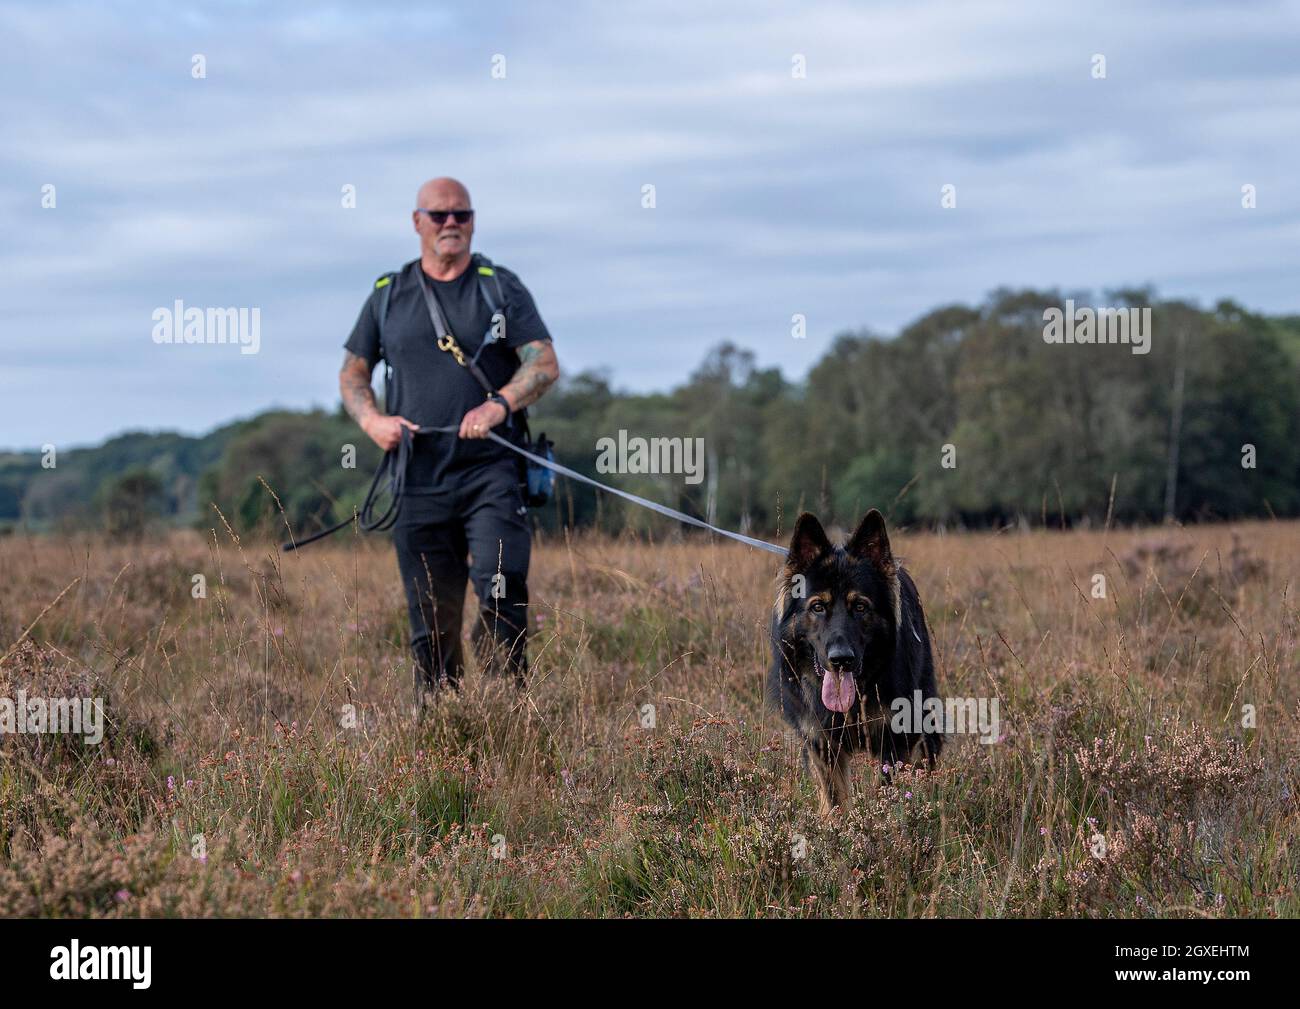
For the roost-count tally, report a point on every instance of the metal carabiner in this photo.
(448, 343)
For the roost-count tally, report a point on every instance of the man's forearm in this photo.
(537, 372)
(354, 387)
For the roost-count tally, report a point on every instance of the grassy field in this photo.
(234, 781)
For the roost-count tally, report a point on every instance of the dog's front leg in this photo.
(841, 783)
(830, 775)
(821, 773)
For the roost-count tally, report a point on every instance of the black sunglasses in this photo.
(439, 217)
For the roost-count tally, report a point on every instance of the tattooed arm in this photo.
(354, 387)
(537, 372)
(359, 401)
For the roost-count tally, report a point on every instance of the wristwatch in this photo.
(496, 397)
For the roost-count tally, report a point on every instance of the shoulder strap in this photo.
(497, 306)
(500, 309)
(485, 270)
(384, 285)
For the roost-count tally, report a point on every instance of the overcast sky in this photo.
(775, 194)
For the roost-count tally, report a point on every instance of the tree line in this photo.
(968, 417)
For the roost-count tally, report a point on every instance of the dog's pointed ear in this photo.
(871, 542)
(807, 543)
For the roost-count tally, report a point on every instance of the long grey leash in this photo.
(654, 506)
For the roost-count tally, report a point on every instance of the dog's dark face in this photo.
(840, 604)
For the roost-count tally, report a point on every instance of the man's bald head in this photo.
(444, 247)
(443, 194)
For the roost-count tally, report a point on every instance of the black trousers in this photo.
(476, 528)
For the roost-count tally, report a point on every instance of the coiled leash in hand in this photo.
(395, 462)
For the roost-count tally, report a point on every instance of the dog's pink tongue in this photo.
(838, 691)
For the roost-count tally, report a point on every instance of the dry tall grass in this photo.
(1122, 719)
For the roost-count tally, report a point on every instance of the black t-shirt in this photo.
(429, 387)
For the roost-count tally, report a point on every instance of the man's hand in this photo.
(386, 431)
(482, 419)
(359, 401)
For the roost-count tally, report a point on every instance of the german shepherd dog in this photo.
(848, 637)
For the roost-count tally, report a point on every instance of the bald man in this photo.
(462, 515)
